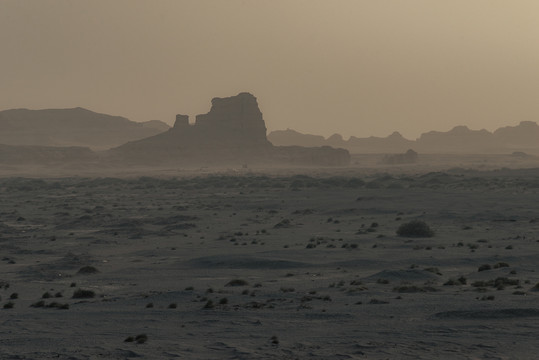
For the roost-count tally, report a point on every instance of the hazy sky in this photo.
(354, 67)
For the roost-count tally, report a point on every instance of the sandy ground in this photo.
(259, 266)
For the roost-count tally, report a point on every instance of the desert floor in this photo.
(271, 266)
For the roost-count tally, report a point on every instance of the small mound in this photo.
(238, 262)
(397, 276)
(87, 270)
(488, 314)
(237, 282)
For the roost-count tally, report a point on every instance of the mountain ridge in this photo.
(71, 127)
(459, 140)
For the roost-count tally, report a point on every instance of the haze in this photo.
(352, 67)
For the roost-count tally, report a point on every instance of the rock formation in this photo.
(373, 144)
(409, 157)
(459, 140)
(523, 136)
(232, 132)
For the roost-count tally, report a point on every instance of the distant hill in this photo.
(291, 137)
(45, 155)
(523, 136)
(72, 127)
(393, 143)
(459, 140)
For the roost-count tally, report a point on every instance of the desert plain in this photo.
(280, 264)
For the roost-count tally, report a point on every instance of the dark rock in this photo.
(409, 157)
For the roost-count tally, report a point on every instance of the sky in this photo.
(354, 67)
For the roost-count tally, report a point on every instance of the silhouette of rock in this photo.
(409, 157)
(460, 139)
(392, 143)
(158, 125)
(232, 132)
(71, 127)
(523, 136)
(291, 137)
(336, 140)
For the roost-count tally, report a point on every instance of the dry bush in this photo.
(415, 228)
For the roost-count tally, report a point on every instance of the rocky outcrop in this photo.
(459, 140)
(409, 157)
(373, 144)
(233, 132)
(523, 136)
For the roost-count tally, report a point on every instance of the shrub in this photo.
(9, 305)
(484, 267)
(415, 228)
(87, 270)
(433, 270)
(56, 305)
(83, 294)
(38, 304)
(237, 282)
(141, 338)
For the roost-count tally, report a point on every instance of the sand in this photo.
(271, 266)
